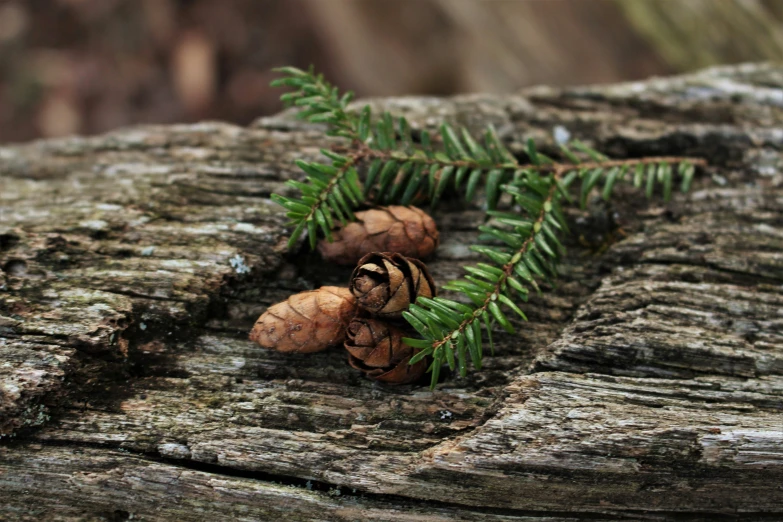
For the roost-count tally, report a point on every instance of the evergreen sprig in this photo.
(399, 167)
(330, 192)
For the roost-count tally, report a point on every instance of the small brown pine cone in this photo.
(306, 322)
(385, 284)
(376, 349)
(405, 230)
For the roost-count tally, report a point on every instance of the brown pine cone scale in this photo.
(405, 230)
(306, 322)
(386, 284)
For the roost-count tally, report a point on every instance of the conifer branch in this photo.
(398, 169)
(533, 251)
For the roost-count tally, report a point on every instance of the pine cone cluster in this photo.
(366, 316)
(384, 285)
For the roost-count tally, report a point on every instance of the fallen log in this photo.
(649, 383)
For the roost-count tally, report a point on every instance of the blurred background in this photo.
(87, 66)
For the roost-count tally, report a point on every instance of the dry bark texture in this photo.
(648, 384)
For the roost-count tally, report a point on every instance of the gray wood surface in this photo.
(648, 384)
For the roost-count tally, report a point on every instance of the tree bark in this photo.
(648, 384)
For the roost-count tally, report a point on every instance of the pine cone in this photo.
(385, 284)
(307, 322)
(406, 230)
(376, 349)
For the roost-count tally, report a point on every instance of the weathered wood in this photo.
(648, 384)
(104, 484)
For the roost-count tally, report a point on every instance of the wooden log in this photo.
(648, 384)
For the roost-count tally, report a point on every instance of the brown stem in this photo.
(363, 152)
(632, 161)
